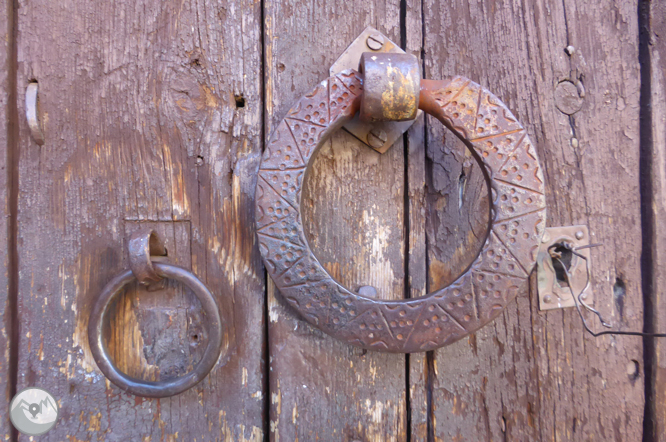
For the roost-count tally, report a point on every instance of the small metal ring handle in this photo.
(499, 143)
(158, 389)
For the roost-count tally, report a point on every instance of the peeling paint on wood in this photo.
(140, 107)
(531, 375)
(142, 128)
(5, 269)
(353, 218)
(657, 163)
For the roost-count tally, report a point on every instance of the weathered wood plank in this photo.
(322, 389)
(657, 52)
(7, 155)
(533, 375)
(152, 113)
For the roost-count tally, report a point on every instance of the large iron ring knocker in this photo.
(389, 88)
(142, 245)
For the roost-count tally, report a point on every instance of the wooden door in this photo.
(155, 114)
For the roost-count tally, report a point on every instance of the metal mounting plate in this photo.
(382, 134)
(553, 294)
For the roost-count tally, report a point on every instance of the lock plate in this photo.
(378, 135)
(554, 293)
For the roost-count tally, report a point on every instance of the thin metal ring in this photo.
(509, 162)
(161, 388)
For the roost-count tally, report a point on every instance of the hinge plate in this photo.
(380, 135)
(553, 290)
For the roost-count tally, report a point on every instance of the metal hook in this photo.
(32, 112)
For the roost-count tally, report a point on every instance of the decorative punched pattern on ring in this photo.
(499, 273)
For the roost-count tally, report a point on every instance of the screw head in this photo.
(377, 138)
(375, 41)
(580, 234)
(547, 299)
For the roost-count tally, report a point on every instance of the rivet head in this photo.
(632, 368)
(368, 291)
(375, 41)
(547, 299)
(580, 234)
(567, 98)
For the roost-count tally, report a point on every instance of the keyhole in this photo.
(562, 263)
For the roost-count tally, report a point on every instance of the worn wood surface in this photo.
(152, 114)
(7, 152)
(533, 375)
(656, 48)
(322, 389)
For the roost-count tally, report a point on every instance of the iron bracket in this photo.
(378, 135)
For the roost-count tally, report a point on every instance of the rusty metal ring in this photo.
(517, 219)
(161, 388)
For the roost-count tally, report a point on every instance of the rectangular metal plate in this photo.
(554, 294)
(371, 40)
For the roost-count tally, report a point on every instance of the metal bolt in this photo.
(368, 291)
(580, 234)
(377, 138)
(570, 50)
(375, 41)
(547, 299)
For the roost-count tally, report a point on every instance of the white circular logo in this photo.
(34, 411)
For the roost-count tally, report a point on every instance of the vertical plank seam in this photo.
(266, 385)
(430, 355)
(11, 314)
(407, 229)
(646, 149)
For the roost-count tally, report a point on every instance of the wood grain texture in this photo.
(6, 159)
(532, 375)
(140, 105)
(353, 201)
(657, 161)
